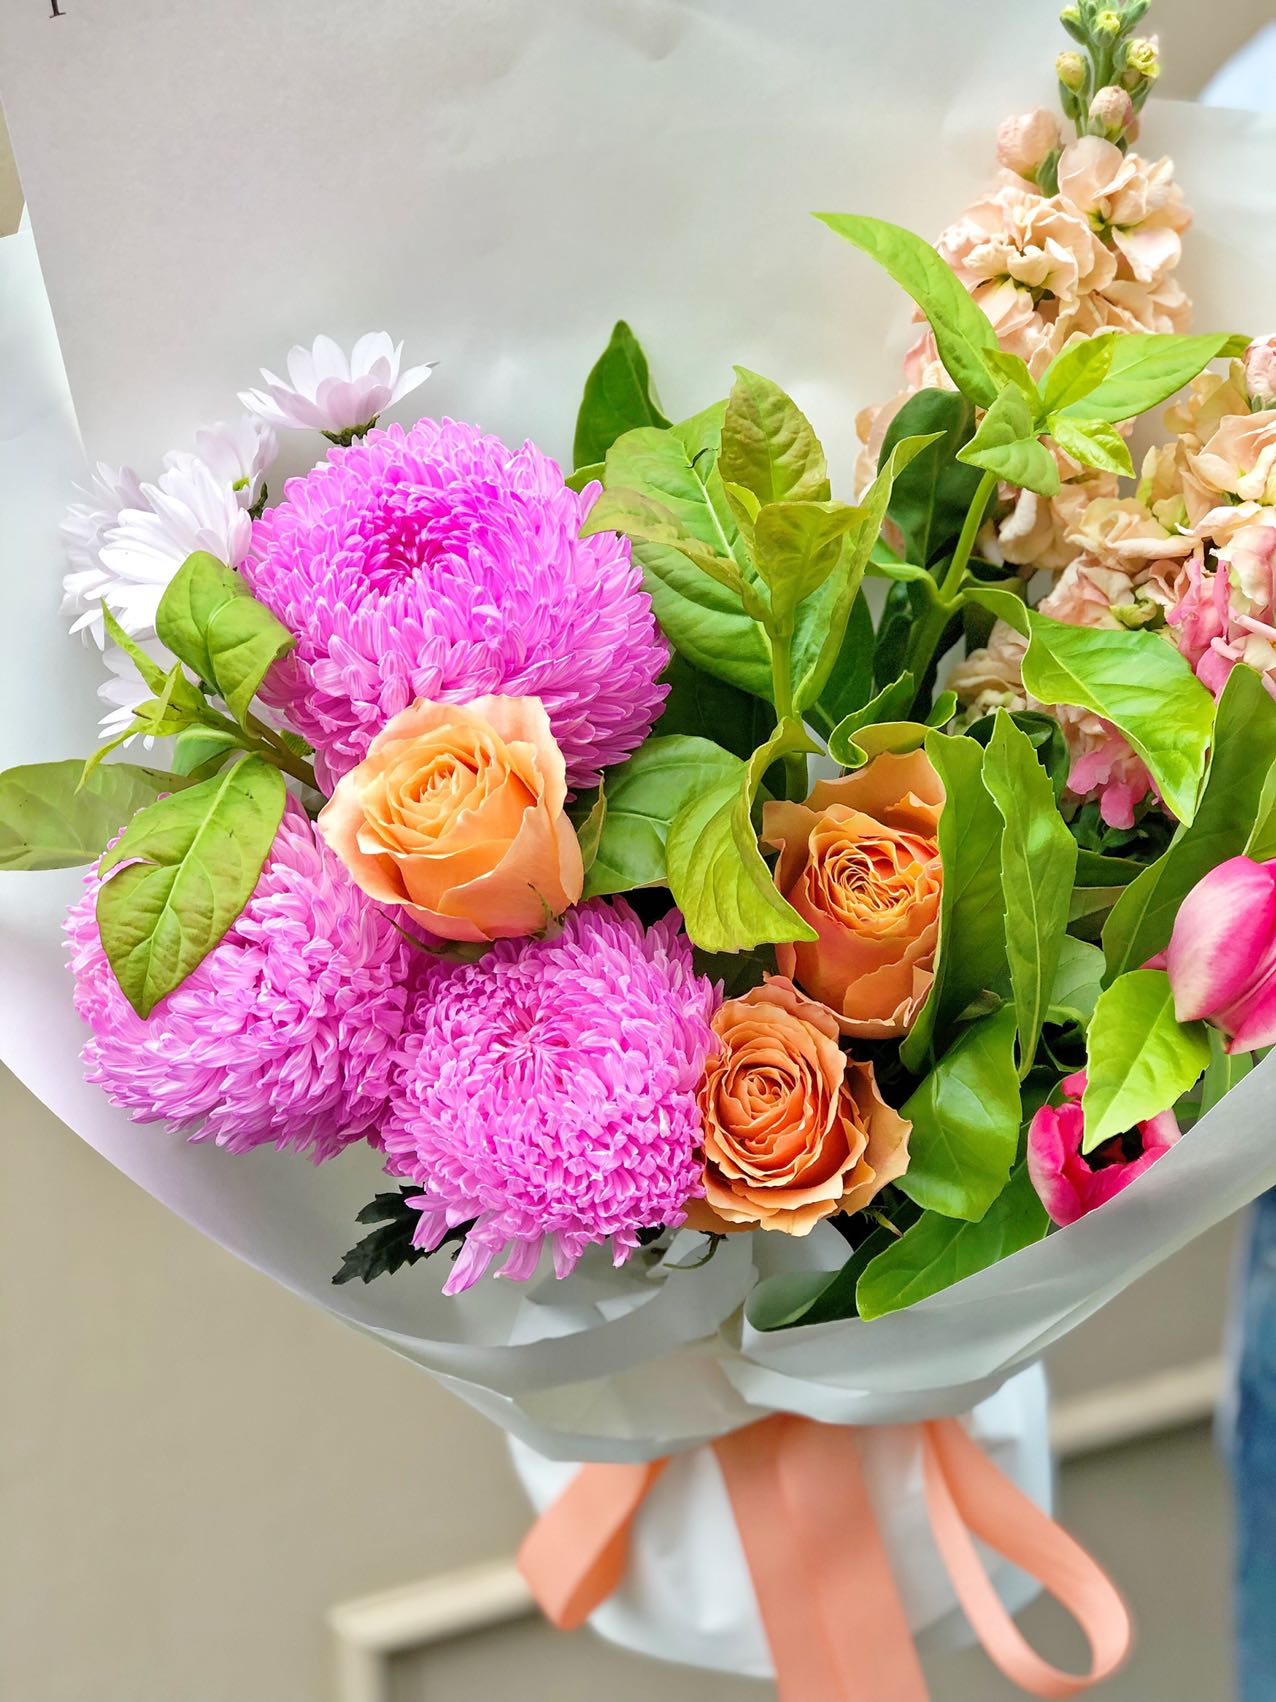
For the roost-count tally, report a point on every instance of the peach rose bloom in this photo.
(794, 1130)
(456, 813)
(859, 862)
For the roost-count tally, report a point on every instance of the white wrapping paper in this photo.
(496, 184)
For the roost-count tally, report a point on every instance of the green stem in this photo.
(928, 631)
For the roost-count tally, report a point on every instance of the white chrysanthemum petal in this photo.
(333, 392)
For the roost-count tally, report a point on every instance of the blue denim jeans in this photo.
(1253, 1461)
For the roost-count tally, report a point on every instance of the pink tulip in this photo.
(1070, 1184)
(1221, 958)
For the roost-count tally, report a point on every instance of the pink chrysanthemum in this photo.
(286, 1032)
(548, 1092)
(439, 563)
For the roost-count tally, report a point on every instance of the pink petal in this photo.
(1220, 936)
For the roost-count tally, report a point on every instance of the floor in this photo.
(1171, 1561)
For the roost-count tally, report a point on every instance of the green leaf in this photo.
(798, 546)
(1225, 1070)
(644, 795)
(645, 521)
(194, 746)
(768, 445)
(971, 955)
(1243, 754)
(963, 334)
(588, 823)
(48, 820)
(1135, 680)
(1141, 1058)
(1261, 844)
(823, 618)
(591, 475)
(707, 707)
(1094, 443)
(1005, 443)
(153, 675)
(850, 677)
(930, 496)
(814, 1297)
(617, 399)
(1146, 370)
(384, 1250)
(939, 1251)
(180, 874)
(1038, 864)
(717, 874)
(1072, 375)
(892, 703)
(1078, 981)
(965, 1117)
(210, 620)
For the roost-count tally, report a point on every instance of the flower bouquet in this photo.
(802, 941)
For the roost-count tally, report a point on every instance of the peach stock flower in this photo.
(1137, 201)
(1024, 140)
(794, 1130)
(456, 813)
(859, 862)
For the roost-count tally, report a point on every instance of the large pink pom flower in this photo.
(438, 563)
(548, 1092)
(285, 1033)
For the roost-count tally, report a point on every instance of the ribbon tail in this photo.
(967, 1496)
(576, 1553)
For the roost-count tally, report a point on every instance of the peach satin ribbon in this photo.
(833, 1617)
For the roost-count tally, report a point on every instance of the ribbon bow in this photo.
(832, 1614)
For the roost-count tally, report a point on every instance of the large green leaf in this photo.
(708, 707)
(1080, 369)
(939, 1251)
(180, 874)
(1005, 443)
(965, 1117)
(850, 677)
(1038, 864)
(963, 334)
(972, 933)
(49, 820)
(1243, 755)
(768, 445)
(799, 544)
(1093, 443)
(644, 795)
(617, 398)
(1141, 1059)
(210, 620)
(718, 876)
(1136, 680)
(1078, 981)
(930, 497)
(1145, 370)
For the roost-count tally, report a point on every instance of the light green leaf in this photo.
(48, 820)
(1072, 375)
(591, 475)
(152, 673)
(971, 956)
(1078, 981)
(965, 1117)
(1136, 680)
(798, 545)
(1261, 844)
(1243, 754)
(589, 828)
(1224, 1071)
(617, 399)
(1038, 864)
(1005, 443)
(963, 334)
(1094, 443)
(1141, 1058)
(195, 745)
(768, 445)
(1146, 370)
(644, 795)
(890, 704)
(645, 521)
(717, 874)
(210, 620)
(939, 1251)
(184, 868)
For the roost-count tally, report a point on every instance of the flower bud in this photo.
(1221, 959)
(1111, 109)
(1070, 70)
(1142, 56)
(1108, 23)
(1072, 21)
(1025, 139)
(1259, 361)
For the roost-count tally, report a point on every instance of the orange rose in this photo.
(456, 813)
(794, 1130)
(859, 862)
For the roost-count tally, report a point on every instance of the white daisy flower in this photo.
(239, 455)
(84, 531)
(331, 392)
